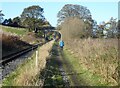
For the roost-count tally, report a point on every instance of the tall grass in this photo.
(27, 74)
(99, 56)
(11, 43)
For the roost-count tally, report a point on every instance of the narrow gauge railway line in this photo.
(10, 62)
(8, 58)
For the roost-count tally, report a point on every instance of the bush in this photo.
(73, 27)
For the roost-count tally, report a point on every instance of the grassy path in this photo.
(52, 73)
(59, 72)
(73, 75)
(74, 72)
(78, 75)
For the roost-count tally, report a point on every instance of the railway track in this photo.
(13, 56)
(10, 62)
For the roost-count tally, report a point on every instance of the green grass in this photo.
(10, 79)
(99, 56)
(27, 73)
(13, 30)
(52, 74)
(88, 77)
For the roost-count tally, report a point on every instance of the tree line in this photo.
(32, 18)
(89, 27)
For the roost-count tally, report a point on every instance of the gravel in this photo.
(64, 76)
(11, 66)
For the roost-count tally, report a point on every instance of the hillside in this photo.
(13, 30)
(11, 44)
(22, 33)
(16, 39)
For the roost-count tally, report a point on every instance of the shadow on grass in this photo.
(75, 78)
(51, 74)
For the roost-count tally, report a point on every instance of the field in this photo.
(98, 56)
(13, 30)
(22, 33)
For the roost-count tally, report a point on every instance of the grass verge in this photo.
(27, 74)
(99, 56)
(14, 79)
(85, 77)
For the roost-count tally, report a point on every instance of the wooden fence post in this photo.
(37, 59)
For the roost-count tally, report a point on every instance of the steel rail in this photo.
(11, 57)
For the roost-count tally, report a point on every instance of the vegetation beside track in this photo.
(77, 74)
(84, 77)
(16, 39)
(27, 74)
(51, 74)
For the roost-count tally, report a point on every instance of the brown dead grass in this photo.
(31, 38)
(72, 27)
(11, 43)
(100, 56)
(28, 73)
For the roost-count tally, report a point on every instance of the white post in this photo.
(36, 59)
